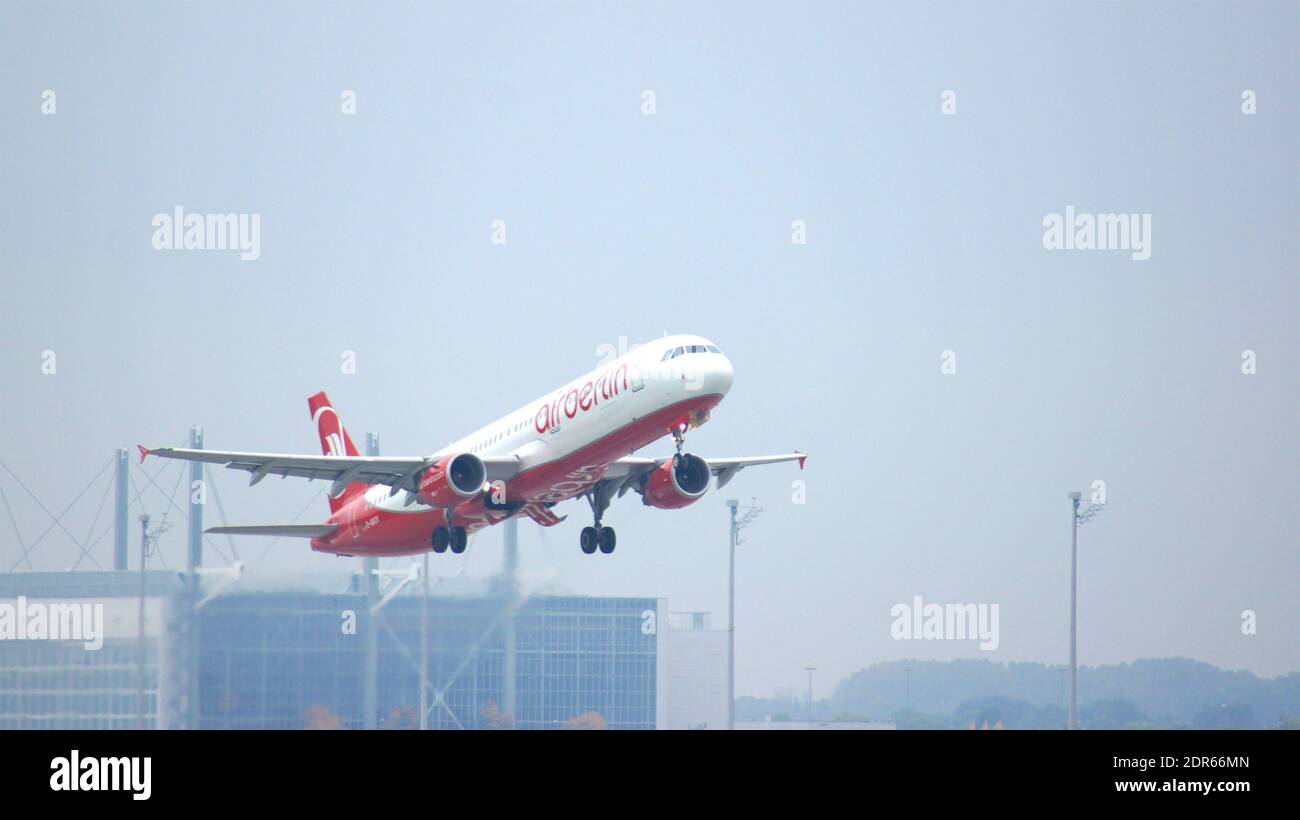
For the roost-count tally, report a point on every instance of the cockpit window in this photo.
(685, 349)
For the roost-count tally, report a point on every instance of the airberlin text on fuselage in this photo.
(581, 399)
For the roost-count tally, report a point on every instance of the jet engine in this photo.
(676, 483)
(453, 480)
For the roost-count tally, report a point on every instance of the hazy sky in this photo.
(924, 235)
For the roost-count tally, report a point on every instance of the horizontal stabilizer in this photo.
(283, 530)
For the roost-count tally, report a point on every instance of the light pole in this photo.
(140, 649)
(148, 540)
(1074, 565)
(1076, 520)
(737, 524)
(810, 670)
(1060, 686)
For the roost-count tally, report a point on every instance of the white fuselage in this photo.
(597, 404)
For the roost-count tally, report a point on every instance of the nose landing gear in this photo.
(679, 436)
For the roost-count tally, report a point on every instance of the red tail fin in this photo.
(334, 441)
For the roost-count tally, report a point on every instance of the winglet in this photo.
(144, 451)
(802, 458)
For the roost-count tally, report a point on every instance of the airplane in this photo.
(575, 441)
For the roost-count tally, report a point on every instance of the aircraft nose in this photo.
(722, 374)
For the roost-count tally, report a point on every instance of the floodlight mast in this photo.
(1077, 520)
(148, 542)
(810, 670)
(737, 524)
(1074, 563)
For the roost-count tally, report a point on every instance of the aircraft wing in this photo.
(724, 468)
(392, 471)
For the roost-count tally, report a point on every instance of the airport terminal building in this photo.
(305, 658)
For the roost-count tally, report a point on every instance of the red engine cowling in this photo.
(676, 483)
(453, 480)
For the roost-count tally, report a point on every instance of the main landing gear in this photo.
(455, 537)
(448, 536)
(598, 537)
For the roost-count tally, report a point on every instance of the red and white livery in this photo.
(576, 441)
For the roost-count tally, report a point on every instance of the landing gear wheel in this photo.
(589, 540)
(440, 539)
(459, 538)
(607, 540)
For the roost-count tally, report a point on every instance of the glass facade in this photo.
(59, 684)
(56, 685)
(288, 660)
(579, 655)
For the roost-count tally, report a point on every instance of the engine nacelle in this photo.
(454, 480)
(676, 483)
